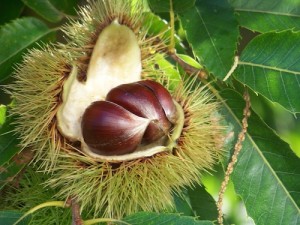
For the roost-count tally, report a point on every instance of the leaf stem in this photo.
(61, 204)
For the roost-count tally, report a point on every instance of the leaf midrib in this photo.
(267, 12)
(28, 44)
(210, 38)
(268, 67)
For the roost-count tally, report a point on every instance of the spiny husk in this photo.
(115, 190)
(36, 94)
(40, 78)
(103, 188)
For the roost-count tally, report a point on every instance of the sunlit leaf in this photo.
(17, 37)
(270, 66)
(212, 32)
(267, 174)
(265, 22)
(265, 16)
(190, 61)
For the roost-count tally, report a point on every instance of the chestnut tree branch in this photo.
(76, 217)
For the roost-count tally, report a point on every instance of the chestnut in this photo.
(109, 129)
(164, 98)
(132, 114)
(142, 101)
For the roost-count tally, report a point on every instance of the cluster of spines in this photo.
(119, 188)
(40, 78)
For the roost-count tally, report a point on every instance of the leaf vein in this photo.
(268, 67)
(211, 40)
(267, 12)
(286, 93)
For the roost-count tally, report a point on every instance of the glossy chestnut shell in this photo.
(133, 114)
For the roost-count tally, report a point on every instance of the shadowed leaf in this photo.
(212, 32)
(17, 37)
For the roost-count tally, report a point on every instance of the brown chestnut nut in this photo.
(142, 101)
(133, 114)
(164, 98)
(109, 129)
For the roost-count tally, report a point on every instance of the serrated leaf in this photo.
(17, 37)
(10, 217)
(267, 174)
(164, 5)
(10, 9)
(265, 16)
(150, 218)
(269, 65)
(264, 22)
(212, 32)
(45, 9)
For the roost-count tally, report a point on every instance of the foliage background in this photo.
(266, 36)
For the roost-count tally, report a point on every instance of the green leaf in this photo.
(265, 16)
(212, 32)
(183, 204)
(10, 162)
(156, 26)
(66, 6)
(264, 22)
(270, 66)
(267, 174)
(190, 61)
(2, 115)
(17, 37)
(196, 201)
(164, 5)
(45, 9)
(169, 69)
(203, 203)
(10, 170)
(149, 218)
(10, 217)
(8, 142)
(9, 10)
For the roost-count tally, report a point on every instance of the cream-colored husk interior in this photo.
(116, 59)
